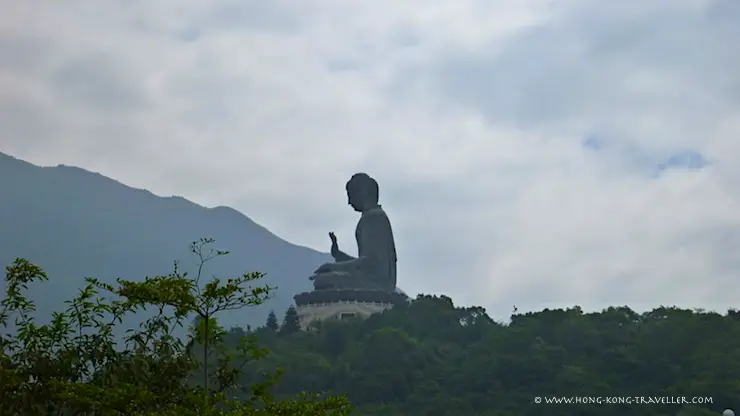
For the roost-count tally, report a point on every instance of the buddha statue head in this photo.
(362, 192)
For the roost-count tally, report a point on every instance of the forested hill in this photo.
(431, 358)
(79, 224)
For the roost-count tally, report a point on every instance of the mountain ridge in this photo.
(76, 223)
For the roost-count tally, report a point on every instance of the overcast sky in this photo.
(530, 153)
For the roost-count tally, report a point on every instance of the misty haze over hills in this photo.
(76, 224)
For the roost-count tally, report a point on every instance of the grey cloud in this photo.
(24, 122)
(23, 53)
(343, 64)
(96, 83)
(188, 34)
(583, 62)
(276, 15)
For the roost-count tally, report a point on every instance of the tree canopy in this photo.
(75, 365)
(430, 357)
(423, 357)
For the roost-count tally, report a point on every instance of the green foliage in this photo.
(291, 323)
(426, 357)
(272, 322)
(75, 365)
(432, 358)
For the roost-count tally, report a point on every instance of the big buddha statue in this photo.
(374, 268)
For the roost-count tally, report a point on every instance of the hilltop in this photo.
(76, 224)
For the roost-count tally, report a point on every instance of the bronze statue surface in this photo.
(374, 268)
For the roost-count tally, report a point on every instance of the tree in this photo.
(431, 357)
(272, 322)
(74, 364)
(291, 323)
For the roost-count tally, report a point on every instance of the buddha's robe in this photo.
(375, 266)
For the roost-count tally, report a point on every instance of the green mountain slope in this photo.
(77, 224)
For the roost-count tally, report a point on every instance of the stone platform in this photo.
(325, 305)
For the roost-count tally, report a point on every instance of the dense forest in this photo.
(426, 357)
(432, 358)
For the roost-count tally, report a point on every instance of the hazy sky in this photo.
(530, 153)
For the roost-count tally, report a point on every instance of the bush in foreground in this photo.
(74, 365)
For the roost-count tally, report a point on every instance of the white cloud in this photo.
(471, 114)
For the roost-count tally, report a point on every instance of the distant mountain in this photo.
(78, 224)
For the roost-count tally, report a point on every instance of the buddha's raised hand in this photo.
(334, 244)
